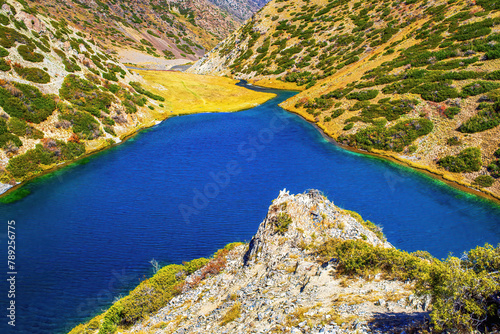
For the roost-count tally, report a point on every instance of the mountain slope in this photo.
(152, 33)
(241, 9)
(62, 96)
(414, 80)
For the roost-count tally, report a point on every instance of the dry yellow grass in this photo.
(187, 93)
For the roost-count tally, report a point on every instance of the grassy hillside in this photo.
(415, 80)
(62, 96)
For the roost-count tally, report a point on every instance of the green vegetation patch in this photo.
(469, 160)
(32, 74)
(53, 151)
(85, 95)
(26, 102)
(15, 196)
(28, 53)
(487, 118)
(484, 181)
(462, 290)
(395, 138)
(363, 95)
(83, 123)
(138, 88)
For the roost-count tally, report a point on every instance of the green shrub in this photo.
(4, 65)
(28, 54)
(4, 20)
(20, 128)
(363, 95)
(114, 88)
(337, 112)
(453, 141)
(137, 86)
(487, 118)
(484, 181)
(395, 138)
(83, 123)
(479, 87)
(494, 169)
(436, 92)
(348, 126)
(85, 95)
(29, 163)
(8, 138)
(463, 291)
(469, 160)
(71, 66)
(3, 52)
(451, 112)
(32, 74)
(195, 264)
(110, 76)
(30, 104)
(281, 223)
(356, 257)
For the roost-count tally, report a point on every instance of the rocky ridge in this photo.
(278, 284)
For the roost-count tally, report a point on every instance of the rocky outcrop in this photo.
(277, 283)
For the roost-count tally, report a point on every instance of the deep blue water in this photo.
(86, 234)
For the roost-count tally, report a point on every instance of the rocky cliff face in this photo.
(279, 284)
(240, 9)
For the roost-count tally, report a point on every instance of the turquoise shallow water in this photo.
(192, 184)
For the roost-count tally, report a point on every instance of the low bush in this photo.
(9, 138)
(155, 292)
(487, 118)
(337, 112)
(436, 92)
(32, 74)
(26, 102)
(395, 138)
(281, 223)
(463, 291)
(348, 126)
(363, 95)
(30, 163)
(469, 160)
(451, 112)
(138, 88)
(453, 141)
(83, 123)
(484, 181)
(479, 87)
(5, 65)
(494, 169)
(28, 53)
(86, 96)
(20, 128)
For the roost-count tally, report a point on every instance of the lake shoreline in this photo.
(10, 189)
(462, 186)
